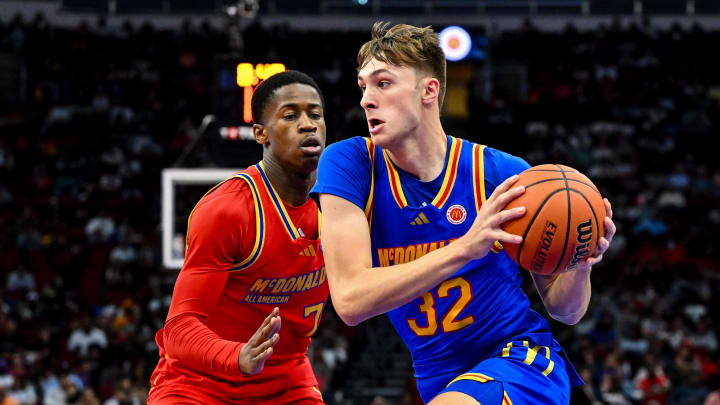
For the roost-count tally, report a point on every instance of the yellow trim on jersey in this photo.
(551, 364)
(318, 391)
(259, 226)
(278, 204)
(530, 356)
(506, 350)
(478, 175)
(478, 164)
(483, 379)
(451, 172)
(472, 376)
(449, 180)
(395, 185)
(371, 155)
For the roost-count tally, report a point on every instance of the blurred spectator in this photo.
(588, 389)
(69, 390)
(122, 254)
(85, 336)
(704, 337)
(652, 383)
(611, 391)
(124, 395)
(100, 228)
(6, 381)
(23, 391)
(88, 397)
(20, 279)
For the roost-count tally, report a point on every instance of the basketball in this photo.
(562, 223)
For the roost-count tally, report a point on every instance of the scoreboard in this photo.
(232, 143)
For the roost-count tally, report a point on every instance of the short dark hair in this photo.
(265, 90)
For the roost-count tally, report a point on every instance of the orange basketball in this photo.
(563, 220)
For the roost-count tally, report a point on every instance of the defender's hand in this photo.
(486, 229)
(260, 346)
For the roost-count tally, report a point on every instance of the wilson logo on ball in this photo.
(584, 230)
(456, 214)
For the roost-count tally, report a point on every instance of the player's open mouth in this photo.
(311, 146)
(376, 125)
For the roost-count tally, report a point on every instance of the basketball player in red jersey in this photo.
(253, 263)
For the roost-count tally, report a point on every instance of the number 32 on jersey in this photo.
(449, 322)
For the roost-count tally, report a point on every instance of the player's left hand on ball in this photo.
(604, 242)
(260, 346)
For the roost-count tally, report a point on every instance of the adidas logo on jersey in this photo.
(420, 220)
(308, 251)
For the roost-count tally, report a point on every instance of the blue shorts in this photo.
(521, 373)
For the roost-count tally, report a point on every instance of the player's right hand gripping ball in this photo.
(562, 223)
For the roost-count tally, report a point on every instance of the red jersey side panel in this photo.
(247, 253)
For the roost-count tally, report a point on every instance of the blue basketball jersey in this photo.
(474, 313)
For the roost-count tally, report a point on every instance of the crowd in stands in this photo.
(100, 111)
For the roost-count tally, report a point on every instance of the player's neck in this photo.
(421, 153)
(292, 185)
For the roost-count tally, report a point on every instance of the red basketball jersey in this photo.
(279, 266)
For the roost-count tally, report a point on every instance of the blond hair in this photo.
(406, 45)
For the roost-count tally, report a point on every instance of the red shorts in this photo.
(184, 395)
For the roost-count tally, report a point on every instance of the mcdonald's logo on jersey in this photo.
(456, 214)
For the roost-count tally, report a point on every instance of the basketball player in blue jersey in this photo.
(411, 228)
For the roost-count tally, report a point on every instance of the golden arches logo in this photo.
(456, 214)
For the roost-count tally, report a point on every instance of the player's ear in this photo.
(260, 134)
(431, 90)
